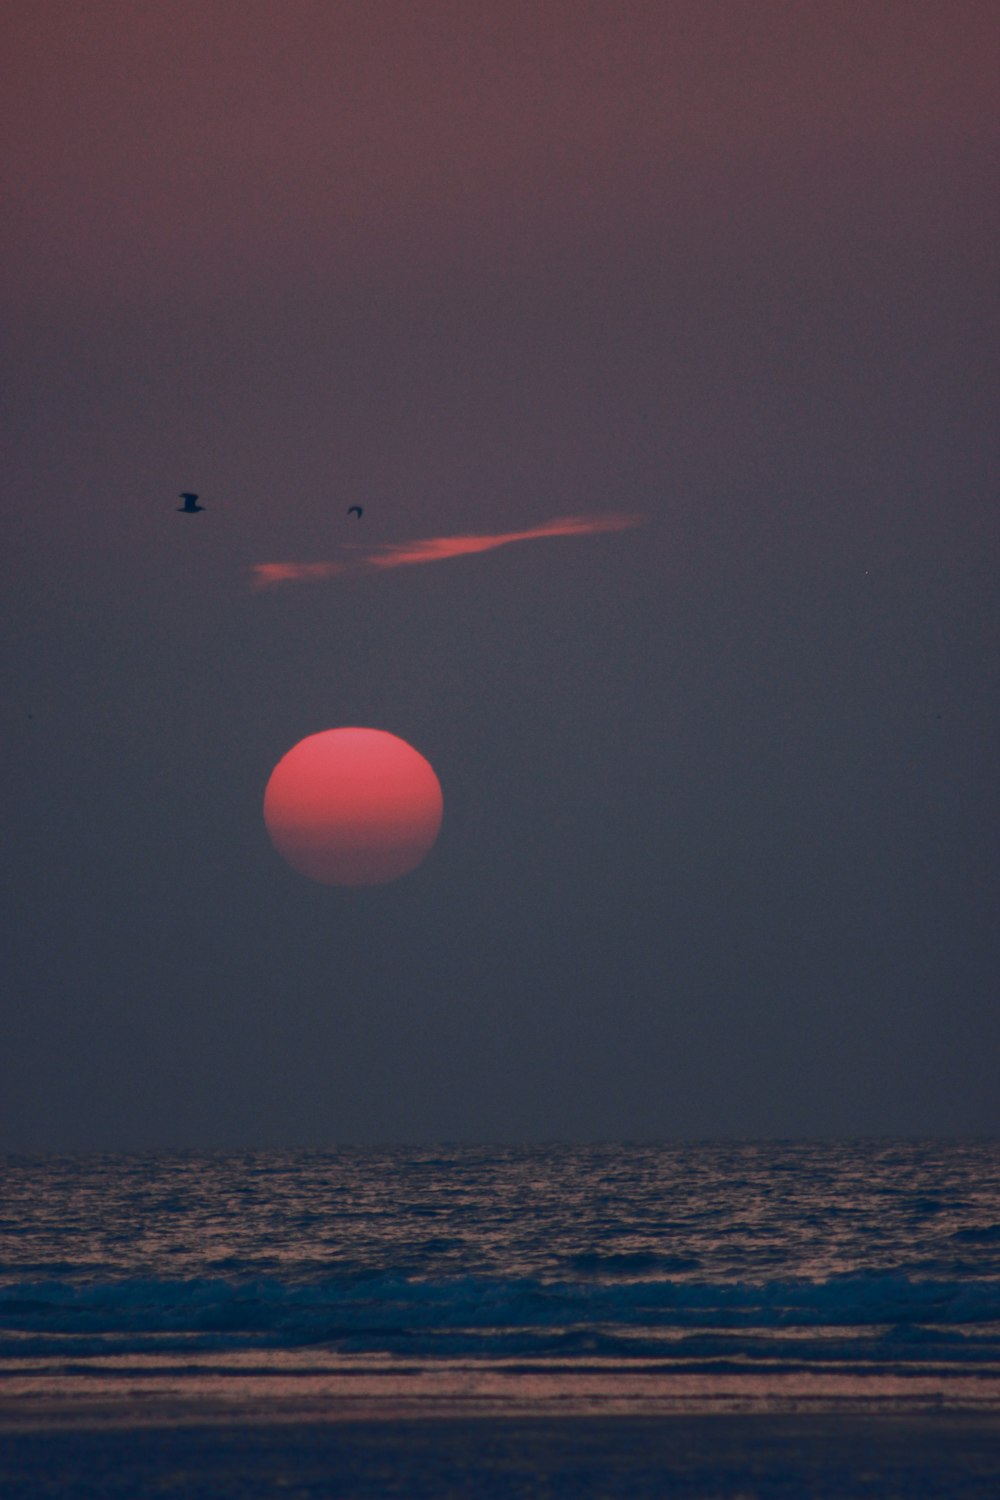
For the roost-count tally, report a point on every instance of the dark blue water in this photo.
(776, 1256)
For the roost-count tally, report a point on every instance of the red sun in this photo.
(353, 807)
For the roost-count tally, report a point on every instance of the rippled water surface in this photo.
(695, 1213)
(776, 1257)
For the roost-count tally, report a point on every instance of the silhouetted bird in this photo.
(355, 510)
(190, 504)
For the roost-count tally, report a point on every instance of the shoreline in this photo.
(135, 1398)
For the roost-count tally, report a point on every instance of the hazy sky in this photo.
(720, 832)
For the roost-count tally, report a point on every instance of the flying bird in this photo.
(355, 510)
(190, 504)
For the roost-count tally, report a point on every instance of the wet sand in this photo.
(801, 1456)
(309, 1424)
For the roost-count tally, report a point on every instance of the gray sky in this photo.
(720, 831)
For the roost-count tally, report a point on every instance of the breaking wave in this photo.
(884, 1317)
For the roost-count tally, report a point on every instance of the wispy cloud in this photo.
(432, 549)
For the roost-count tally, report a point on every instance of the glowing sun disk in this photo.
(353, 807)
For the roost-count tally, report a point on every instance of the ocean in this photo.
(737, 1319)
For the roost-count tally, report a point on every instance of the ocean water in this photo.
(629, 1282)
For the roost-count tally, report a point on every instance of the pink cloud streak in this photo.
(434, 549)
